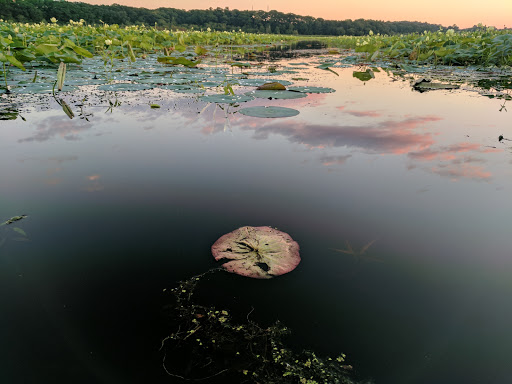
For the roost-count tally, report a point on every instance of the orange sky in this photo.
(464, 13)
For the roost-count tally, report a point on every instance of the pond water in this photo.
(125, 200)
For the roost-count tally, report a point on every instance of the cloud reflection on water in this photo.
(411, 136)
(396, 137)
(61, 126)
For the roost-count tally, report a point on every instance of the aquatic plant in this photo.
(258, 252)
(219, 345)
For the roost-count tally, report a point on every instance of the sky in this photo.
(464, 13)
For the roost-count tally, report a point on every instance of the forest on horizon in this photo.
(35, 11)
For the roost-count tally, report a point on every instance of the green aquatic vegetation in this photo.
(9, 232)
(427, 85)
(212, 344)
(364, 75)
(14, 219)
(226, 99)
(269, 112)
(276, 94)
(307, 89)
(361, 254)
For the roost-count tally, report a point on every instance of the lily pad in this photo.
(257, 252)
(364, 75)
(271, 87)
(41, 88)
(426, 85)
(227, 99)
(269, 112)
(312, 89)
(276, 94)
(190, 90)
(257, 82)
(174, 87)
(124, 87)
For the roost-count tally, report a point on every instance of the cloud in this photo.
(60, 126)
(384, 137)
(455, 161)
(364, 113)
(334, 160)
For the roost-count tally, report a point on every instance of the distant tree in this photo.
(218, 18)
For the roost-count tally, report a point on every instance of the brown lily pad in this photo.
(272, 87)
(257, 252)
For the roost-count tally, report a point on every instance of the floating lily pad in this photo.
(257, 82)
(269, 112)
(209, 84)
(121, 87)
(276, 94)
(426, 85)
(271, 87)
(174, 87)
(257, 252)
(311, 89)
(42, 88)
(228, 99)
(190, 90)
(364, 75)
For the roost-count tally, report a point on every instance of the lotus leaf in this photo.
(269, 112)
(276, 94)
(311, 89)
(257, 252)
(190, 90)
(228, 99)
(272, 87)
(364, 75)
(426, 85)
(124, 87)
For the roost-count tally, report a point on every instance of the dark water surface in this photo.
(126, 204)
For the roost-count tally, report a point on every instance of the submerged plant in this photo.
(216, 345)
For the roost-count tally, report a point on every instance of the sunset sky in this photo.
(464, 13)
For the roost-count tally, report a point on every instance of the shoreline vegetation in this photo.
(219, 19)
(23, 44)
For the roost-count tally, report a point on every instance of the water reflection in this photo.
(139, 208)
(59, 126)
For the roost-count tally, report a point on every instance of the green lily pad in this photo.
(190, 90)
(276, 94)
(312, 89)
(227, 99)
(258, 82)
(426, 85)
(174, 87)
(269, 112)
(121, 87)
(364, 75)
(42, 88)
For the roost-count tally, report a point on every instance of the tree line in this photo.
(214, 18)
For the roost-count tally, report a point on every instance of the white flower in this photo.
(108, 42)
(53, 20)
